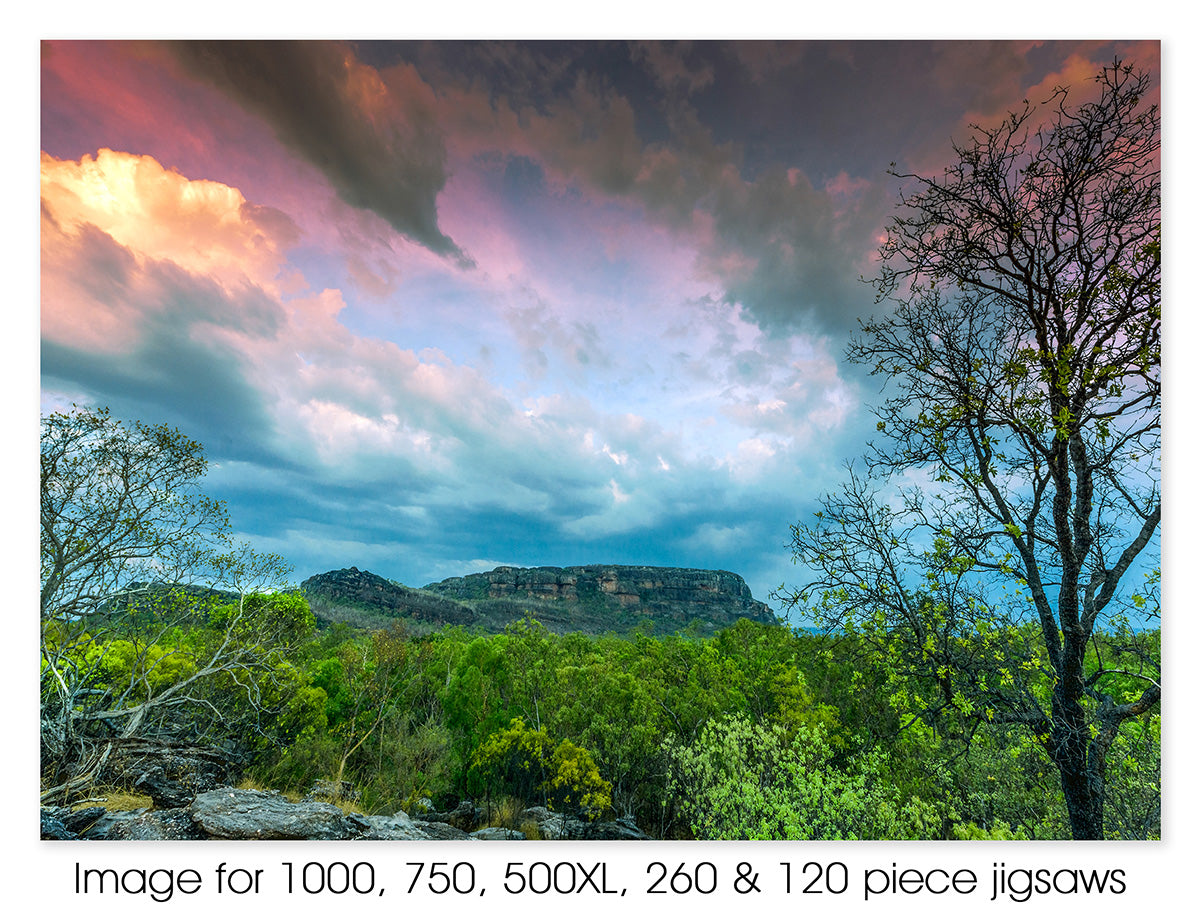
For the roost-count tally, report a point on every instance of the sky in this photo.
(437, 306)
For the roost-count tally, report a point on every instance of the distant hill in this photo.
(589, 599)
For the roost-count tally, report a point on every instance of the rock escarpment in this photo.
(592, 599)
(668, 598)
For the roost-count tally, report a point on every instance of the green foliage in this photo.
(525, 762)
(669, 731)
(751, 781)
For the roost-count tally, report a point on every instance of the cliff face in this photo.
(712, 598)
(593, 599)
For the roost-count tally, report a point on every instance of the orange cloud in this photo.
(204, 227)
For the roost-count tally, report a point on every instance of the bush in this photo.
(751, 781)
(525, 763)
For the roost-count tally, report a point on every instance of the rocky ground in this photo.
(248, 814)
(190, 803)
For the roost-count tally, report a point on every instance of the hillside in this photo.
(590, 599)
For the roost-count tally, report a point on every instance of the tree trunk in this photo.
(1082, 783)
(1085, 802)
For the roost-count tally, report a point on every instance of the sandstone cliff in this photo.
(593, 599)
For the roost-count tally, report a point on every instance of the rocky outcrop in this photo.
(171, 773)
(362, 598)
(398, 826)
(466, 817)
(589, 599)
(53, 828)
(248, 814)
(551, 825)
(498, 833)
(625, 596)
(173, 776)
(98, 823)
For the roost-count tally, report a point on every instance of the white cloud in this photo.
(403, 436)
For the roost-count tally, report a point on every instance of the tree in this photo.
(1022, 364)
(154, 622)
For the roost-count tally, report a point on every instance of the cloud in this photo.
(133, 314)
(670, 67)
(204, 227)
(379, 145)
(788, 251)
(667, 256)
(542, 335)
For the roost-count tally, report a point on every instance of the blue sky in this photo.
(433, 307)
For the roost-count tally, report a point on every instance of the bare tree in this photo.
(1022, 369)
(132, 556)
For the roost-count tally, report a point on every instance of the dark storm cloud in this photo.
(196, 387)
(390, 161)
(801, 257)
(690, 131)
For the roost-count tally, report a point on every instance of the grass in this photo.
(253, 785)
(506, 812)
(115, 800)
(347, 805)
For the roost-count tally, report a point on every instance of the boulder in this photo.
(466, 817)
(437, 831)
(53, 828)
(620, 829)
(171, 774)
(82, 821)
(246, 814)
(552, 825)
(96, 823)
(398, 826)
(172, 824)
(497, 833)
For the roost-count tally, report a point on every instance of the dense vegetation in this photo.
(759, 732)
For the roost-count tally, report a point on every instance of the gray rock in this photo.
(620, 829)
(550, 825)
(245, 814)
(554, 826)
(437, 831)
(172, 774)
(82, 821)
(172, 824)
(53, 828)
(497, 833)
(398, 826)
(466, 817)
